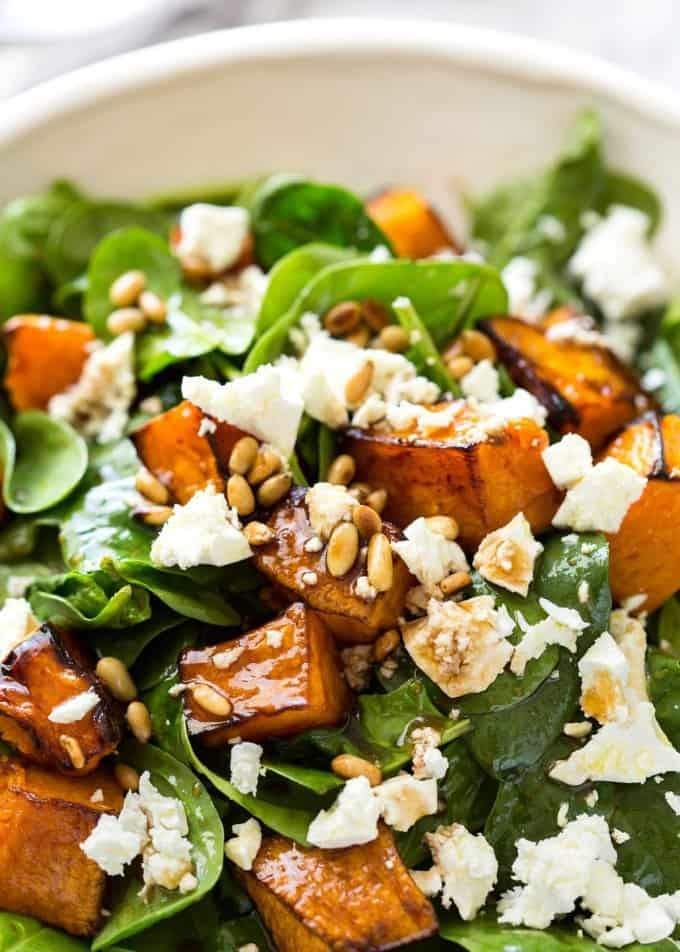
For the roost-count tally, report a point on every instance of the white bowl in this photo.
(360, 101)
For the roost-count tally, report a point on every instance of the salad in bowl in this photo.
(338, 561)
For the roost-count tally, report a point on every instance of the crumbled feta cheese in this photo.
(350, 821)
(245, 766)
(242, 848)
(428, 760)
(562, 626)
(428, 881)
(429, 555)
(74, 708)
(591, 799)
(16, 623)
(17, 585)
(467, 866)
(241, 294)
(404, 800)
(583, 591)
(519, 277)
(356, 663)
(522, 405)
(563, 815)
(568, 461)
(309, 578)
(364, 590)
(551, 228)
(507, 555)
(97, 404)
(604, 671)
(152, 405)
(224, 659)
(274, 637)
(481, 382)
(213, 233)
(620, 836)
(673, 801)
(327, 506)
(622, 339)
(205, 531)
(267, 404)
(599, 502)
(616, 266)
(313, 544)
(461, 646)
(206, 426)
(654, 379)
(112, 845)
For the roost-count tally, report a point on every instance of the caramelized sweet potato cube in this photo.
(584, 387)
(280, 679)
(644, 555)
(411, 224)
(344, 900)
(45, 356)
(44, 818)
(482, 483)
(285, 562)
(41, 673)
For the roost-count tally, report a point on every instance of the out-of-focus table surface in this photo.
(42, 38)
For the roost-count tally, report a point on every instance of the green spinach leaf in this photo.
(74, 600)
(423, 353)
(130, 644)
(21, 934)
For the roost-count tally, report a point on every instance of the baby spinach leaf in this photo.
(23, 288)
(237, 933)
(42, 461)
(326, 450)
(669, 626)
(423, 353)
(664, 355)
(21, 934)
(624, 189)
(159, 664)
(320, 782)
(180, 592)
(130, 912)
(219, 193)
(287, 212)
(128, 645)
(385, 719)
(82, 601)
(663, 683)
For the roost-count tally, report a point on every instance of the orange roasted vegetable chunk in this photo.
(45, 356)
(285, 561)
(41, 673)
(411, 224)
(480, 479)
(644, 555)
(44, 818)
(584, 387)
(280, 679)
(344, 900)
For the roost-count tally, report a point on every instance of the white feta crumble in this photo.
(328, 505)
(224, 659)
(482, 382)
(206, 426)
(604, 672)
(599, 502)
(620, 836)
(466, 865)
(507, 556)
(241, 294)
(519, 277)
(350, 821)
(274, 637)
(461, 646)
(404, 800)
(245, 766)
(591, 799)
(363, 589)
(267, 404)
(673, 801)
(622, 339)
(563, 815)
(522, 405)
(429, 555)
(74, 708)
(213, 233)
(562, 626)
(568, 461)
(615, 264)
(551, 228)
(98, 403)
(583, 591)
(428, 881)
(16, 623)
(17, 585)
(205, 531)
(428, 760)
(242, 848)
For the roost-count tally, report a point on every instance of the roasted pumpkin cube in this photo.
(45, 356)
(411, 224)
(583, 386)
(290, 566)
(644, 555)
(480, 479)
(342, 900)
(280, 679)
(44, 818)
(39, 675)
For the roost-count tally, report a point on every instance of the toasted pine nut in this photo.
(443, 525)
(211, 700)
(358, 384)
(74, 751)
(377, 500)
(342, 469)
(257, 533)
(367, 521)
(455, 583)
(375, 314)
(267, 462)
(342, 318)
(379, 563)
(243, 455)
(388, 642)
(348, 766)
(139, 721)
(359, 490)
(127, 777)
(394, 338)
(125, 319)
(459, 366)
(116, 678)
(156, 516)
(343, 548)
(360, 337)
(273, 489)
(239, 495)
(477, 346)
(151, 487)
(126, 289)
(153, 307)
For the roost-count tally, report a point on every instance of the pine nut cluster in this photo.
(135, 304)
